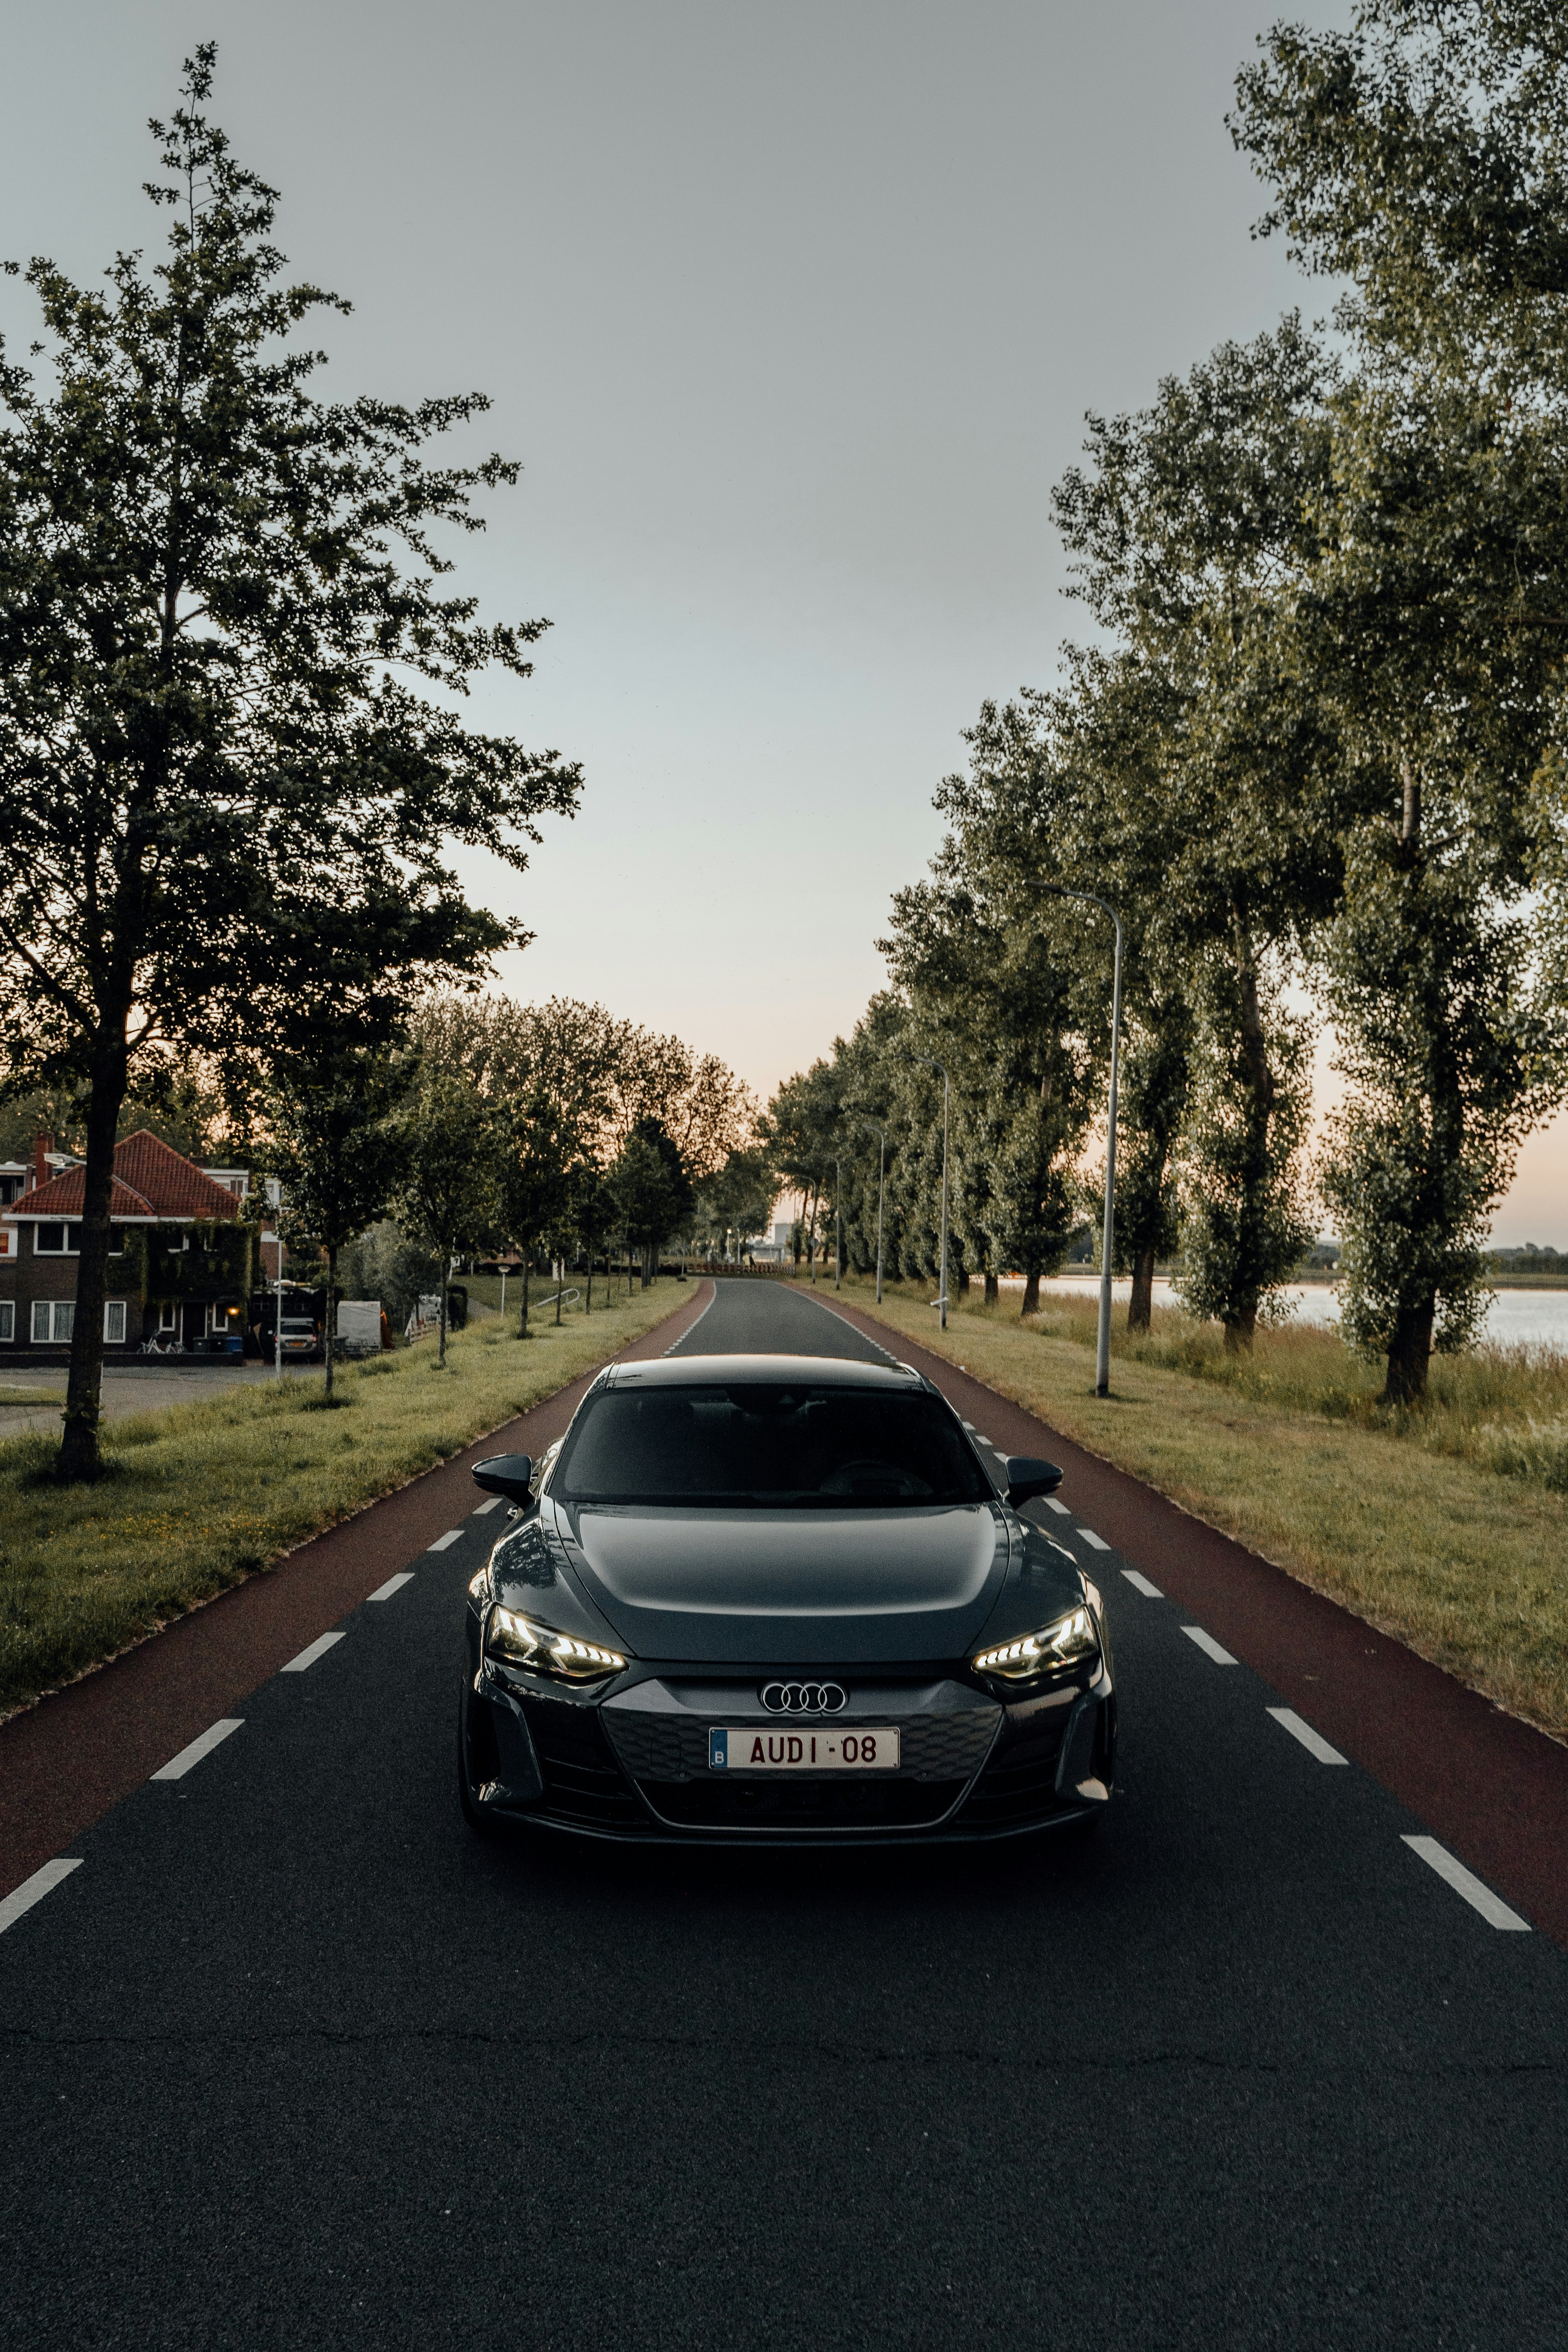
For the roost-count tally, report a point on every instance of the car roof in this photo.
(776, 1371)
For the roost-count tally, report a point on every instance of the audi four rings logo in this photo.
(805, 1698)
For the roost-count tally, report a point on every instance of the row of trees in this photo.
(496, 1127)
(1313, 753)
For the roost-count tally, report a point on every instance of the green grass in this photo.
(1447, 1528)
(197, 1496)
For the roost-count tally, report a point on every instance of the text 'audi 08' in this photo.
(780, 1599)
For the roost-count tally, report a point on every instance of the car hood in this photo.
(802, 1588)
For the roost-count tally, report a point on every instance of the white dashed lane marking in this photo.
(1060, 1509)
(33, 1890)
(452, 1536)
(1090, 1537)
(480, 1508)
(1312, 1741)
(1142, 1584)
(1480, 1897)
(1208, 1646)
(393, 1584)
(213, 1737)
(308, 1658)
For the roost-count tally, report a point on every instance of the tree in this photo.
(340, 1149)
(1216, 764)
(738, 1201)
(1157, 1048)
(458, 1154)
(222, 799)
(646, 1195)
(1421, 156)
(1244, 1226)
(540, 1178)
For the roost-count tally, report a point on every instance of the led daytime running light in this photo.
(1030, 1656)
(544, 1652)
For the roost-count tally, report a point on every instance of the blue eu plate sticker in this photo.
(719, 1750)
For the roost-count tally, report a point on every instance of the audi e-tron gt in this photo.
(779, 1598)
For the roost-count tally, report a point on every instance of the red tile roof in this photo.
(151, 1180)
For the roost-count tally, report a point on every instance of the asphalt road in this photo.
(291, 2060)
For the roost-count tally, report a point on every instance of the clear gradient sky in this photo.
(792, 314)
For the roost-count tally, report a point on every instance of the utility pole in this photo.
(881, 1132)
(275, 1202)
(1107, 1233)
(930, 1063)
(838, 1222)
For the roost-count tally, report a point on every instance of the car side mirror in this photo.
(1028, 1477)
(510, 1474)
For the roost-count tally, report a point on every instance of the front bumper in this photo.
(634, 1766)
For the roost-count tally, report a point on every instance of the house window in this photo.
(49, 1241)
(114, 1322)
(52, 1320)
(168, 1316)
(7, 1319)
(7, 1240)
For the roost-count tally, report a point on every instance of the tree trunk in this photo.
(992, 1290)
(588, 1306)
(1031, 1296)
(1239, 1331)
(560, 1286)
(332, 1316)
(78, 1454)
(446, 1270)
(964, 1282)
(524, 1333)
(1410, 1356)
(1141, 1305)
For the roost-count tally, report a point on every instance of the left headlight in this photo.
(1067, 1642)
(543, 1650)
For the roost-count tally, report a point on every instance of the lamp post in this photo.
(838, 1222)
(946, 1091)
(881, 1132)
(275, 1202)
(1107, 1236)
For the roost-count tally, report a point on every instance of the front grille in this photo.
(1019, 1784)
(667, 1748)
(582, 1782)
(721, 1801)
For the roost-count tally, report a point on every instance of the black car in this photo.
(779, 1598)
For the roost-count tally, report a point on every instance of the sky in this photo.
(792, 315)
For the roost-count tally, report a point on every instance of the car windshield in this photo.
(768, 1448)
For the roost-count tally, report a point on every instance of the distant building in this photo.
(181, 1260)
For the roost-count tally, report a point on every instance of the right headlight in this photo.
(521, 1642)
(1066, 1644)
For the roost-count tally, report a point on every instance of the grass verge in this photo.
(1421, 1538)
(198, 1496)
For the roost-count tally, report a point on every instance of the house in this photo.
(180, 1262)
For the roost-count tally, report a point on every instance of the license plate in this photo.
(750, 1751)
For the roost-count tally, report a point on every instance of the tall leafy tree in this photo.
(223, 796)
(1421, 155)
(1191, 526)
(458, 1156)
(340, 1147)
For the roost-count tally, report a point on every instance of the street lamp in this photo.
(838, 1222)
(1108, 1237)
(881, 1132)
(946, 1091)
(275, 1202)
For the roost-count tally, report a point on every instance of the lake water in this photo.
(1536, 1319)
